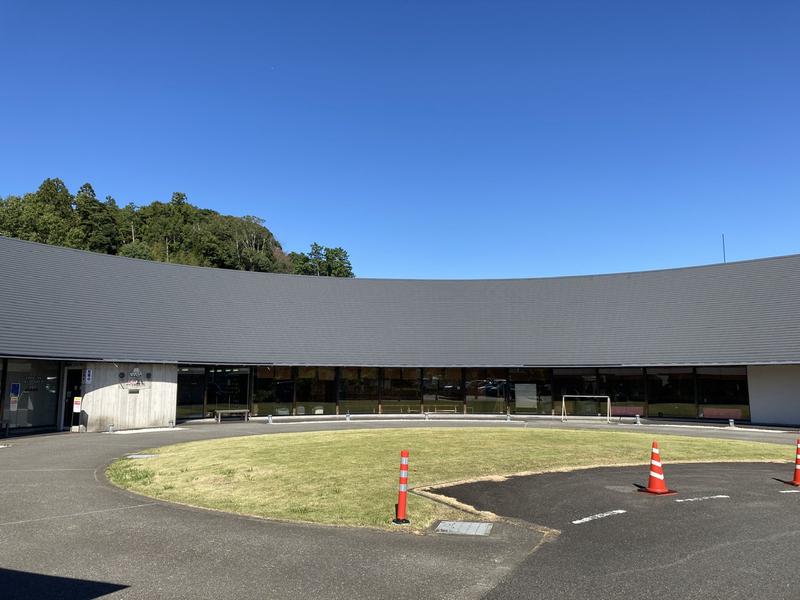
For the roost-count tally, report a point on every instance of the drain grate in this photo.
(141, 455)
(464, 528)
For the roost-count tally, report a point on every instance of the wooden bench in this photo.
(709, 412)
(626, 411)
(218, 414)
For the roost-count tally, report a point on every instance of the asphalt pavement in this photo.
(731, 531)
(66, 533)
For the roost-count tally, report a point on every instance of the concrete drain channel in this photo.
(464, 528)
(140, 456)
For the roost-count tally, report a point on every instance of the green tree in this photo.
(299, 262)
(322, 261)
(174, 231)
(45, 215)
(96, 226)
(337, 263)
(136, 250)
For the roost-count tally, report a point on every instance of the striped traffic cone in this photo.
(796, 481)
(656, 484)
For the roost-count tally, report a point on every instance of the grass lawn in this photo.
(350, 477)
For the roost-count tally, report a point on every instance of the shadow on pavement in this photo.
(21, 584)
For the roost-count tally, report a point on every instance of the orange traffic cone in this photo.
(656, 483)
(796, 481)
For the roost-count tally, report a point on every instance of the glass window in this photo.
(626, 388)
(486, 390)
(401, 390)
(722, 393)
(531, 391)
(273, 391)
(306, 372)
(31, 394)
(227, 388)
(578, 382)
(358, 390)
(441, 390)
(670, 392)
(191, 392)
(315, 391)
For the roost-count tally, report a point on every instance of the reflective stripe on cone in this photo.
(656, 483)
(402, 491)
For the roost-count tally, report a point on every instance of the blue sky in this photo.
(430, 139)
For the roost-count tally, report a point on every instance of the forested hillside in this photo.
(173, 231)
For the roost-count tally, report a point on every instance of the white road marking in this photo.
(790, 491)
(149, 430)
(701, 498)
(599, 516)
(42, 470)
(77, 514)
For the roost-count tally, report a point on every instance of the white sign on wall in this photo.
(87, 376)
(136, 379)
(76, 404)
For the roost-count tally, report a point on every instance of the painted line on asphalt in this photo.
(789, 492)
(150, 430)
(42, 470)
(79, 514)
(703, 498)
(602, 515)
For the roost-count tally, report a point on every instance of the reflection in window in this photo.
(441, 390)
(315, 391)
(486, 390)
(273, 391)
(722, 392)
(35, 398)
(359, 390)
(626, 388)
(228, 388)
(401, 390)
(670, 392)
(191, 392)
(580, 382)
(530, 391)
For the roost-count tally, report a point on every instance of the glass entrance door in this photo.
(71, 390)
(191, 392)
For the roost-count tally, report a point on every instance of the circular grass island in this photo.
(350, 477)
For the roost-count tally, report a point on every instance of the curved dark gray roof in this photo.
(62, 303)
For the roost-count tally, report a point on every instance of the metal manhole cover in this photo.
(464, 528)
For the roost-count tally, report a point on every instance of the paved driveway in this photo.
(66, 533)
(732, 531)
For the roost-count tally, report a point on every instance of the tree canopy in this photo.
(174, 231)
(330, 262)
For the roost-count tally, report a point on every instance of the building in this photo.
(145, 344)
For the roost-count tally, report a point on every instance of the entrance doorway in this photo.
(72, 389)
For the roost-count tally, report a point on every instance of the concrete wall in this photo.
(129, 396)
(774, 394)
